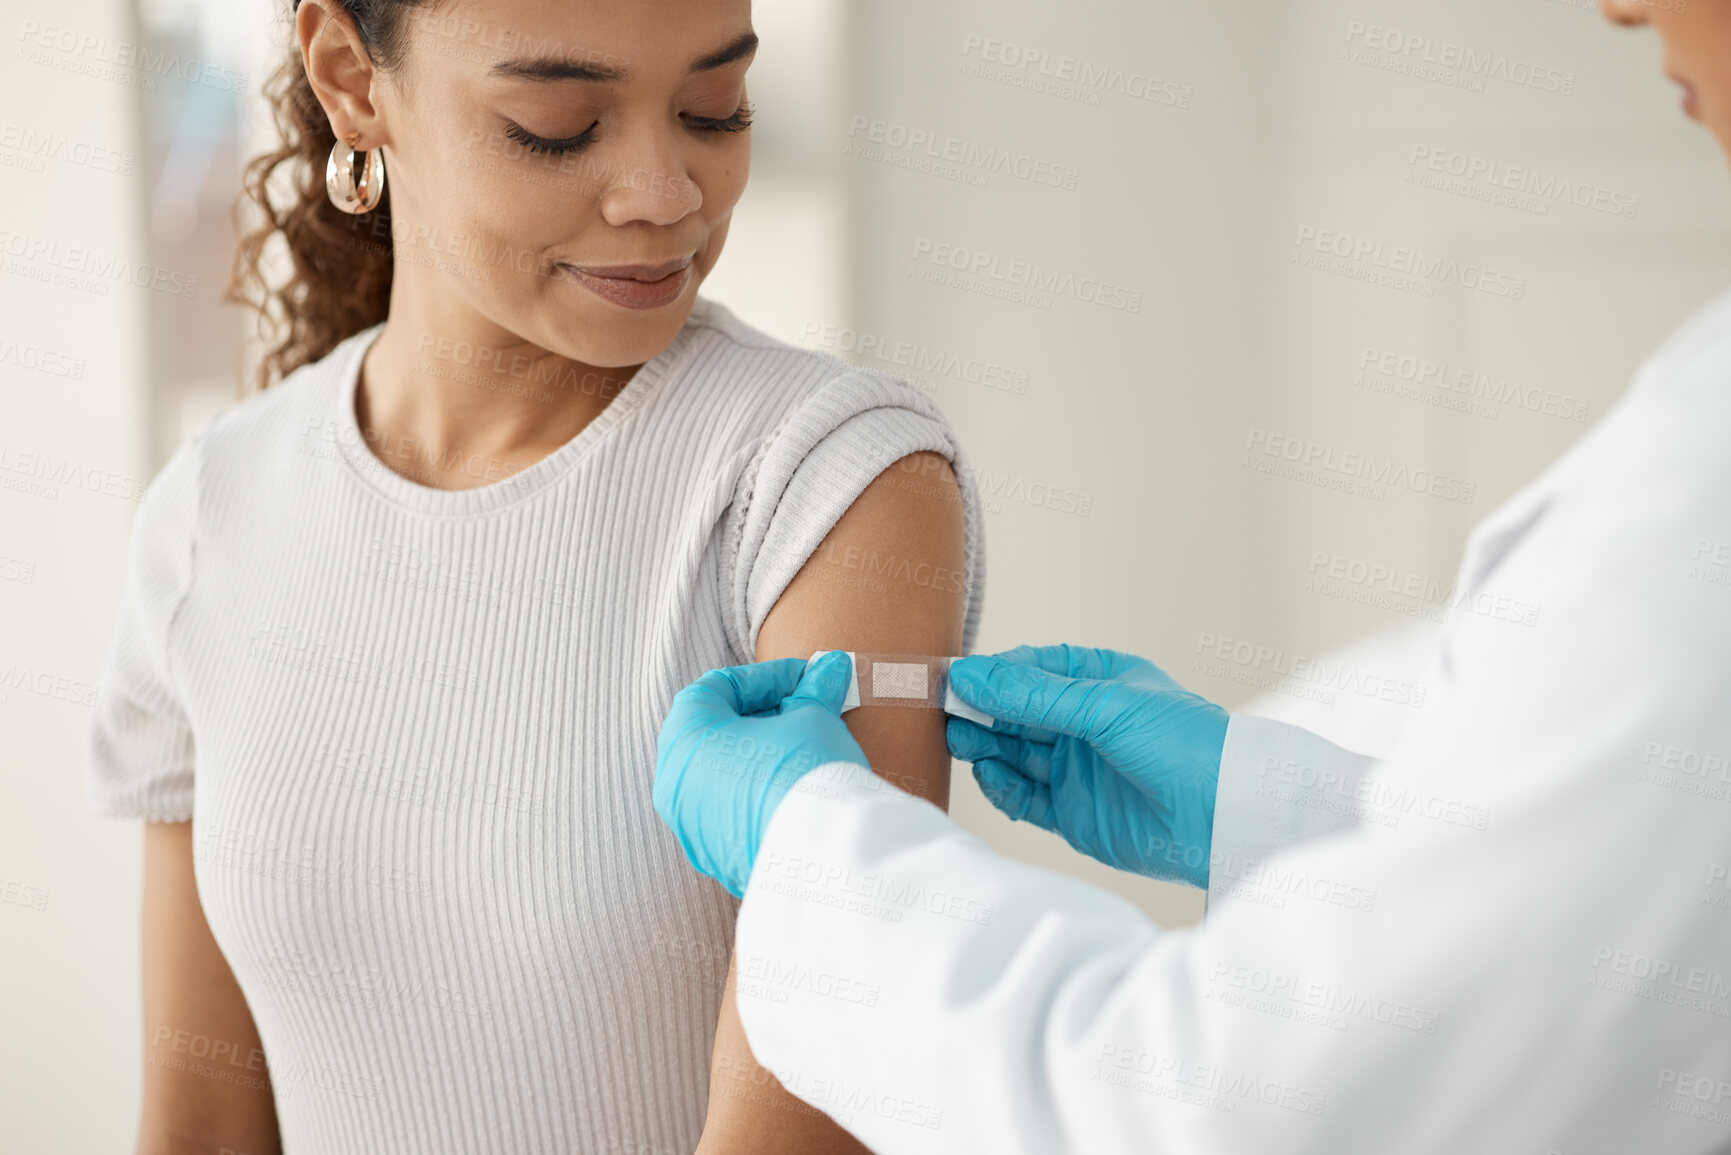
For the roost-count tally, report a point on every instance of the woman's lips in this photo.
(635, 286)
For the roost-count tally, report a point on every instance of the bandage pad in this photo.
(901, 680)
(920, 681)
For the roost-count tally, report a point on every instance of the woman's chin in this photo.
(608, 336)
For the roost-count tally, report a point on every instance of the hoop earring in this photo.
(340, 183)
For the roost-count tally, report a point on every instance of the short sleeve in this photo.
(139, 755)
(808, 473)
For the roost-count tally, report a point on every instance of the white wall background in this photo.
(68, 1015)
(1146, 415)
(1200, 208)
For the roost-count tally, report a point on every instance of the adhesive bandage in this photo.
(905, 680)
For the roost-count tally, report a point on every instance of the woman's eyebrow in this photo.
(563, 68)
(743, 47)
(559, 68)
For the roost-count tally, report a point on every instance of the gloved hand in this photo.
(735, 742)
(1102, 748)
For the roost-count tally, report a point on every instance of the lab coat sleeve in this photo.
(1354, 994)
(1279, 785)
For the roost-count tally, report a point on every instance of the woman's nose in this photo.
(1628, 13)
(652, 186)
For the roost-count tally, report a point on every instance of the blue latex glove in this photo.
(1101, 748)
(735, 742)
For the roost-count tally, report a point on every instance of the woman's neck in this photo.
(451, 401)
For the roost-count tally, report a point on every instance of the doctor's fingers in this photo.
(824, 683)
(1031, 733)
(1028, 696)
(974, 743)
(1018, 797)
(737, 690)
(1082, 662)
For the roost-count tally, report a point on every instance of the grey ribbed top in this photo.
(415, 732)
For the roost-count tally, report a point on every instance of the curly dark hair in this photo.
(340, 278)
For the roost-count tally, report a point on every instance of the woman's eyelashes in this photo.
(542, 145)
(740, 121)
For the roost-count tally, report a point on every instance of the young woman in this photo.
(399, 630)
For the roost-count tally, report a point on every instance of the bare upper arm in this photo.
(205, 1083)
(889, 578)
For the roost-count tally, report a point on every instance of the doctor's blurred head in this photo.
(1697, 39)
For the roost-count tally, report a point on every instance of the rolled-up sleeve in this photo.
(812, 469)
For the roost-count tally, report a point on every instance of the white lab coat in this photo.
(1512, 935)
